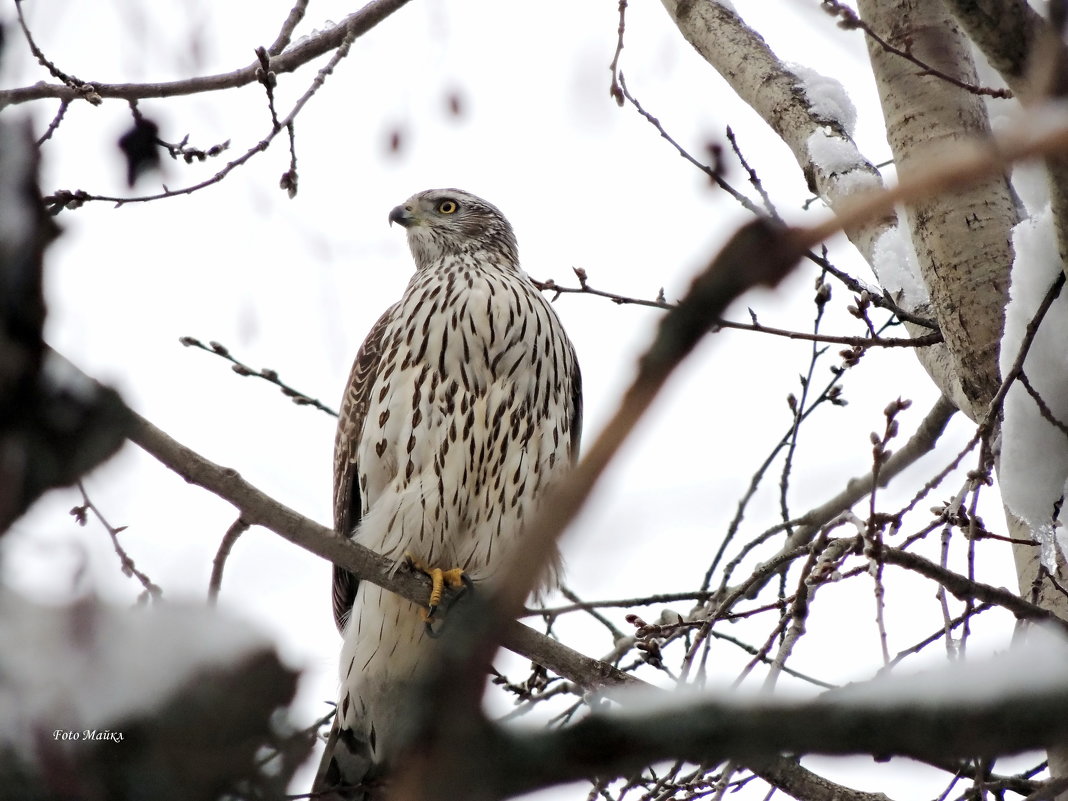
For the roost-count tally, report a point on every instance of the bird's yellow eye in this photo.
(447, 206)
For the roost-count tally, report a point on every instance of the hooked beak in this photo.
(402, 216)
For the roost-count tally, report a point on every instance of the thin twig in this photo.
(267, 374)
(129, 568)
(584, 288)
(754, 179)
(625, 603)
(81, 87)
(849, 20)
(944, 631)
(1043, 407)
(61, 112)
(62, 199)
(986, 428)
(237, 528)
(296, 14)
(712, 173)
(616, 90)
(266, 76)
(592, 612)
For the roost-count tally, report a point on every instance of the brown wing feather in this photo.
(347, 505)
(576, 411)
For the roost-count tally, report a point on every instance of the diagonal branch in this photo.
(952, 714)
(291, 59)
(590, 675)
(259, 509)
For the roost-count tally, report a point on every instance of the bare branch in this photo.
(615, 89)
(967, 590)
(267, 374)
(61, 112)
(352, 27)
(848, 19)
(237, 528)
(129, 567)
(712, 172)
(257, 508)
(66, 199)
(706, 730)
(79, 86)
(549, 285)
(1030, 332)
(296, 14)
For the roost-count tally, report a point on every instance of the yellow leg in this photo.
(439, 579)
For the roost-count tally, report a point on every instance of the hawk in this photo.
(464, 405)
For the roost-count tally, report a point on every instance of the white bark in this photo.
(755, 73)
(759, 78)
(963, 239)
(1030, 58)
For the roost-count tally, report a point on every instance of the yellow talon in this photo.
(439, 579)
(437, 587)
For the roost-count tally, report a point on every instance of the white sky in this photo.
(295, 284)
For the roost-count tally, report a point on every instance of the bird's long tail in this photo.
(347, 772)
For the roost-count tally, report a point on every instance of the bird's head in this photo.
(443, 222)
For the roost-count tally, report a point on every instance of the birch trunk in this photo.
(744, 60)
(963, 241)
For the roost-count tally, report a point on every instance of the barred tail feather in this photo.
(347, 772)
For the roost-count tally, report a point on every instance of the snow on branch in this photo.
(1034, 451)
(797, 103)
(1011, 703)
(95, 700)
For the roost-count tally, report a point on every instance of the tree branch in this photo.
(967, 590)
(258, 509)
(358, 23)
(744, 60)
(922, 442)
(951, 713)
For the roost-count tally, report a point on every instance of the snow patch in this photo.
(895, 263)
(91, 665)
(1030, 179)
(1034, 453)
(1032, 667)
(1036, 666)
(826, 97)
(856, 182)
(832, 153)
(838, 158)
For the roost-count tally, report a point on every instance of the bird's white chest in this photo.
(468, 421)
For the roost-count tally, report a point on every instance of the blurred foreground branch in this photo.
(967, 710)
(56, 424)
(259, 509)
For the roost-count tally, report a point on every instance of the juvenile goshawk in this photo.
(463, 406)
